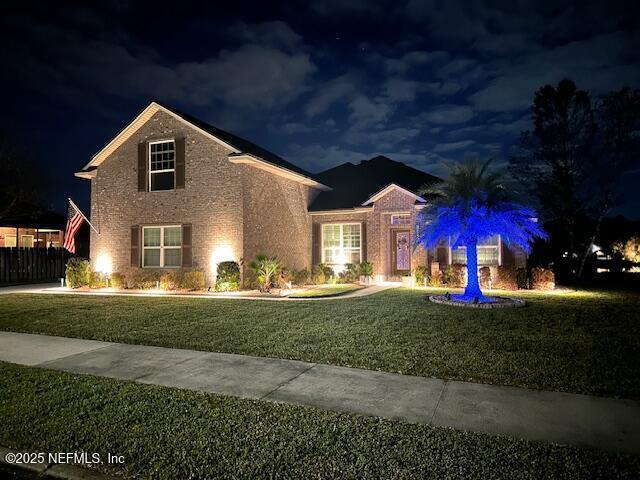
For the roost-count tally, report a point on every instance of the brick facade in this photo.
(235, 210)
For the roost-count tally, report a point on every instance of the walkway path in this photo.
(55, 289)
(535, 415)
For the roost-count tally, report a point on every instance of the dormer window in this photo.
(162, 165)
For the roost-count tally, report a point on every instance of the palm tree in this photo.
(471, 205)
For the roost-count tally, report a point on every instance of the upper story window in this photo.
(400, 219)
(162, 165)
(341, 243)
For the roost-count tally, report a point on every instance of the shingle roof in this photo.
(28, 215)
(353, 184)
(241, 144)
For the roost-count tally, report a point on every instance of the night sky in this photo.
(320, 83)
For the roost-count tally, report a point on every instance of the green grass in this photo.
(326, 291)
(170, 433)
(585, 342)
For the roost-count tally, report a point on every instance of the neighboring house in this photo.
(171, 191)
(30, 226)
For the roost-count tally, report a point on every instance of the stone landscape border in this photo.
(501, 302)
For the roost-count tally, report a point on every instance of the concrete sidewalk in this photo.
(604, 423)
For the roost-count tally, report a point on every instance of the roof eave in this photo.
(249, 159)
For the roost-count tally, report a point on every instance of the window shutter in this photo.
(142, 166)
(135, 246)
(186, 245)
(315, 236)
(180, 155)
(363, 241)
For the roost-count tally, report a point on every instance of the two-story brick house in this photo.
(171, 191)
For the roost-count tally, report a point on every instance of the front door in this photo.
(401, 252)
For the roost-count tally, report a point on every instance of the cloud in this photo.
(448, 147)
(330, 93)
(72, 68)
(365, 112)
(400, 89)
(413, 59)
(381, 139)
(275, 34)
(449, 114)
(595, 64)
(315, 158)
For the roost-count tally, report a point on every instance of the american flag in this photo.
(74, 221)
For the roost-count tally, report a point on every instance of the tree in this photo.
(552, 160)
(573, 158)
(20, 179)
(631, 249)
(616, 148)
(471, 205)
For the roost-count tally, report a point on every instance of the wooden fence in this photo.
(24, 265)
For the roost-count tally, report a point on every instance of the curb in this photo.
(54, 470)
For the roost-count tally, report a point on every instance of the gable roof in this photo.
(360, 184)
(238, 147)
(29, 215)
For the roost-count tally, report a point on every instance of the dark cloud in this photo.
(423, 81)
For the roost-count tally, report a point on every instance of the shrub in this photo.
(78, 273)
(228, 277)
(283, 278)
(366, 269)
(98, 280)
(521, 278)
(116, 280)
(143, 279)
(193, 280)
(506, 278)
(485, 277)
(422, 274)
(170, 280)
(265, 270)
(322, 273)
(542, 279)
(454, 275)
(301, 277)
(435, 280)
(631, 249)
(350, 274)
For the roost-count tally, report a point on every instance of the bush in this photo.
(435, 280)
(193, 280)
(301, 277)
(170, 280)
(283, 278)
(506, 278)
(485, 277)
(454, 275)
(228, 277)
(321, 273)
(98, 280)
(78, 273)
(350, 274)
(521, 278)
(143, 279)
(265, 270)
(542, 279)
(366, 269)
(116, 280)
(422, 274)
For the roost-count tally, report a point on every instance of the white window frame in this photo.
(341, 225)
(161, 247)
(394, 215)
(156, 142)
(498, 247)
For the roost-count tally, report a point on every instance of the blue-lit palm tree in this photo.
(471, 205)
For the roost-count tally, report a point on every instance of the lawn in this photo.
(585, 342)
(326, 291)
(170, 433)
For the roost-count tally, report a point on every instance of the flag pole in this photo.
(83, 216)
